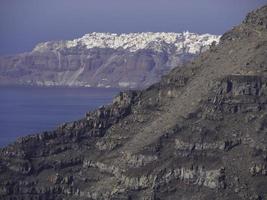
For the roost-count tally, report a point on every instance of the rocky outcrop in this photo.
(224, 145)
(139, 160)
(200, 133)
(196, 176)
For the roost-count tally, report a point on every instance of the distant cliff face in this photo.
(134, 60)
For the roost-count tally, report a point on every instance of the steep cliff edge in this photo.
(200, 133)
(134, 60)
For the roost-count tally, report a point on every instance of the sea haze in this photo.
(27, 110)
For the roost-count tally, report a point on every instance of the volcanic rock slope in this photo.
(200, 133)
(134, 60)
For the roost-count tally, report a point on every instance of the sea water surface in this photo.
(29, 110)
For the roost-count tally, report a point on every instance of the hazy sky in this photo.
(24, 23)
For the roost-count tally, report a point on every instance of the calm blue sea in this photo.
(27, 110)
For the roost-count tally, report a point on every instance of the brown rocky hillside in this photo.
(198, 134)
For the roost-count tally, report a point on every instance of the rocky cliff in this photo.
(200, 133)
(134, 60)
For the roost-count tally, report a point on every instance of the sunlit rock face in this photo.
(134, 60)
